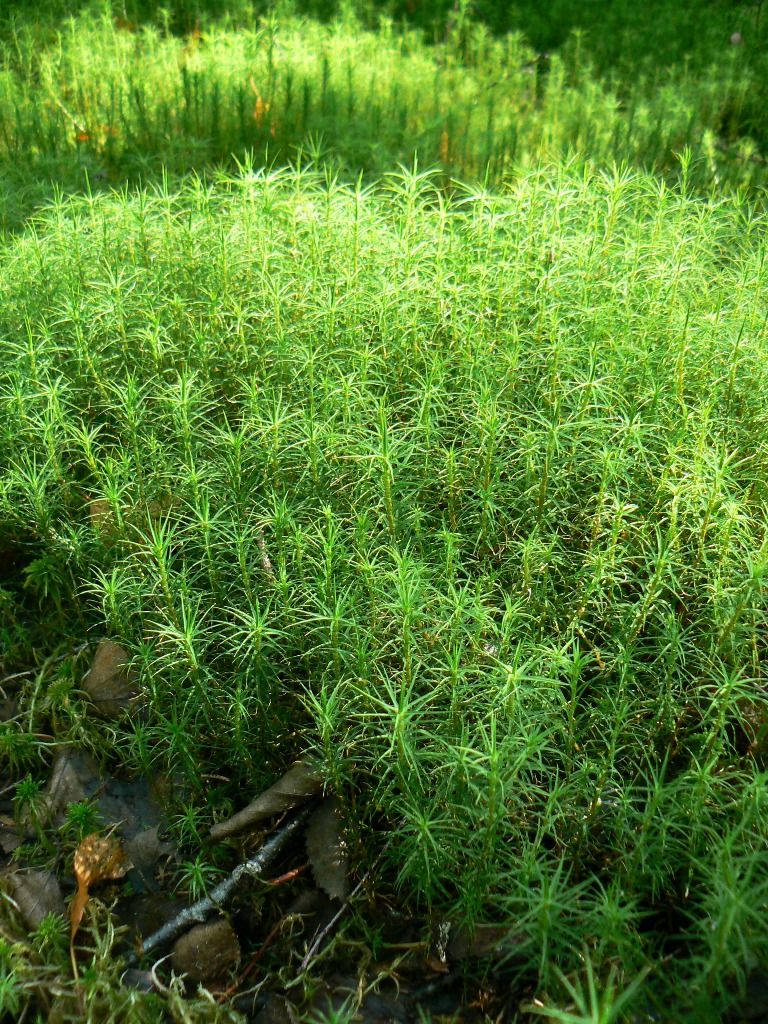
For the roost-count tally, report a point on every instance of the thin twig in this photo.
(323, 933)
(288, 876)
(229, 992)
(200, 911)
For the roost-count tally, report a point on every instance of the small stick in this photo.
(288, 876)
(229, 992)
(198, 912)
(323, 933)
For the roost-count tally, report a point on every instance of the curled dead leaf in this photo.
(298, 784)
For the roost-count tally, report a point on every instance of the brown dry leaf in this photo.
(298, 784)
(75, 777)
(111, 684)
(144, 851)
(11, 836)
(327, 849)
(102, 516)
(97, 859)
(36, 894)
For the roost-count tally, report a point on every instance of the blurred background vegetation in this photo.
(98, 94)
